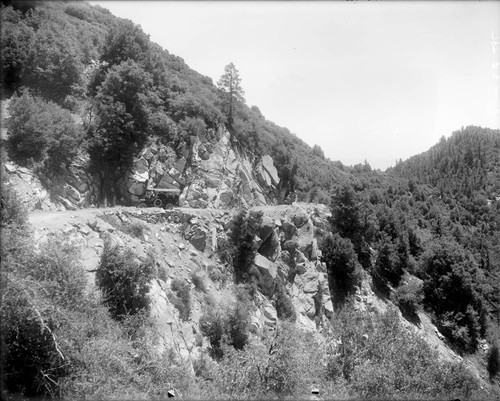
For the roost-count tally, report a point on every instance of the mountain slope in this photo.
(233, 300)
(467, 163)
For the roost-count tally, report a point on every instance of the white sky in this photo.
(364, 80)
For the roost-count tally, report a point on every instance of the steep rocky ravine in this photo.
(184, 241)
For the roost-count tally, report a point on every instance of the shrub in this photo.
(162, 273)
(54, 66)
(279, 367)
(225, 325)
(380, 358)
(124, 280)
(450, 288)
(57, 269)
(408, 296)
(216, 275)
(42, 291)
(493, 365)
(133, 228)
(212, 326)
(284, 305)
(198, 281)
(388, 266)
(136, 229)
(32, 360)
(182, 298)
(225, 249)
(238, 321)
(242, 236)
(42, 135)
(13, 212)
(344, 270)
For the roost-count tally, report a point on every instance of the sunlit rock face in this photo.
(207, 171)
(210, 173)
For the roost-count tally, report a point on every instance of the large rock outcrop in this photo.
(206, 168)
(209, 172)
(287, 251)
(78, 190)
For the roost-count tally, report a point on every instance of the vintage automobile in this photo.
(160, 197)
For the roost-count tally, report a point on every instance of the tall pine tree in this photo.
(229, 84)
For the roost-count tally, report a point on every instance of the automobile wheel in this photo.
(141, 205)
(157, 202)
(169, 206)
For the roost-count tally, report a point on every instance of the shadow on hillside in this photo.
(383, 291)
(411, 316)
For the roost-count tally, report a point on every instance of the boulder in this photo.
(263, 176)
(327, 305)
(267, 163)
(300, 217)
(204, 153)
(136, 188)
(305, 236)
(270, 315)
(300, 257)
(283, 269)
(100, 226)
(95, 242)
(254, 326)
(287, 259)
(300, 268)
(259, 198)
(148, 154)
(211, 193)
(162, 155)
(199, 240)
(10, 167)
(291, 246)
(198, 204)
(320, 222)
(303, 303)
(310, 281)
(176, 176)
(245, 186)
(167, 182)
(68, 205)
(72, 193)
(83, 187)
(227, 199)
(213, 182)
(140, 170)
(288, 229)
(267, 273)
(180, 164)
(270, 248)
(266, 227)
(158, 170)
(309, 307)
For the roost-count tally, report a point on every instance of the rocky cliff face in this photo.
(183, 242)
(208, 171)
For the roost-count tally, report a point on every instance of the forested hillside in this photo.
(466, 165)
(399, 227)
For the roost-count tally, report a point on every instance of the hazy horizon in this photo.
(375, 81)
